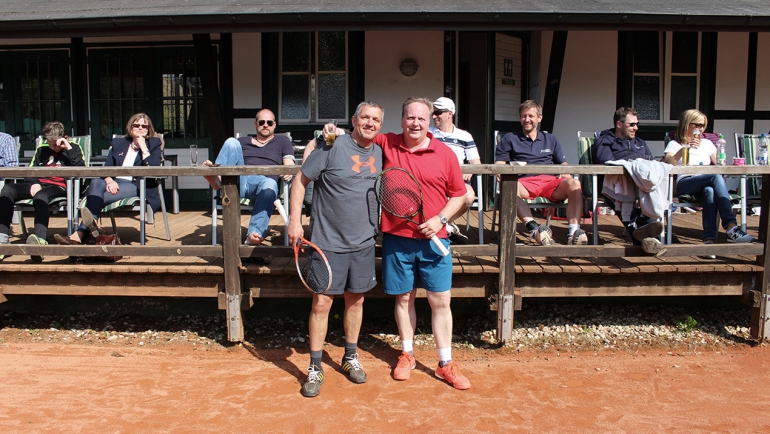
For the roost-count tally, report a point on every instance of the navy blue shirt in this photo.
(545, 149)
(609, 147)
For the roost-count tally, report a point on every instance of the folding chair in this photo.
(60, 204)
(246, 205)
(479, 205)
(585, 143)
(684, 200)
(750, 186)
(138, 203)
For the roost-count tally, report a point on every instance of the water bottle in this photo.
(721, 156)
(762, 158)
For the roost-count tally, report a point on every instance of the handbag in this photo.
(101, 240)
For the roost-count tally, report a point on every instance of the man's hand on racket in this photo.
(295, 231)
(431, 227)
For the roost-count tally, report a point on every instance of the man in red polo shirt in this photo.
(409, 258)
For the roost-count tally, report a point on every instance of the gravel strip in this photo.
(539, 326)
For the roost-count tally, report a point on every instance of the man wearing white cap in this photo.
(459, 141)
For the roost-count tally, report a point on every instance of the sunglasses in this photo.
(632, 124)
(697, 125)
(439, 112)
(140, 126)
(263, 122)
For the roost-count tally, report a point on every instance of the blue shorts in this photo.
(406, 259)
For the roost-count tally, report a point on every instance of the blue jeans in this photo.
(260, 189)
(714, 196)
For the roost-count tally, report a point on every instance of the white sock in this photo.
(573, 227)
(406, 346)
(445, 354)
(449, 228)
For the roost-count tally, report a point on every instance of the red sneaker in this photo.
(452, 375)
(406, 362)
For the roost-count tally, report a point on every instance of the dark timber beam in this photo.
(207, 69)
(555, 66)
(507, 296)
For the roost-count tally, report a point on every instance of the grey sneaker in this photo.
(315, 378)
(650, 230)
(33, 239)
(542, 235)
(353, 367)
(653, 246)
(736, 235)
(578, 238)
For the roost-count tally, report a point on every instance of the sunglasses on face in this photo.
(439, 112)
(632, 124)
(140, 126)
(262, 122)
(697, 125)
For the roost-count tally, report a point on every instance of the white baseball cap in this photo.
(444, 103)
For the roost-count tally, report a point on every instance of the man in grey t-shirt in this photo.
(344, 223)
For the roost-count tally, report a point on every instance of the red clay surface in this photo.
(72, 388)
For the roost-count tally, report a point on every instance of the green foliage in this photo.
(687, 326)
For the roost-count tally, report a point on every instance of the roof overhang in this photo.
(76, 18)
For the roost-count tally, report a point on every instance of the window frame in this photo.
(313, 79)
(665, 53)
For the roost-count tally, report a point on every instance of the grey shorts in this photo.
(352, 271)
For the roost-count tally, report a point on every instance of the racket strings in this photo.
(399, 194)
(313, 269)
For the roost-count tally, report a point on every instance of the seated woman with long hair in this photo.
(710, 188)
(139, 147)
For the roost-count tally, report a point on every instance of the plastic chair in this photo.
(60, 204)
(585, 143)
(138, 203)
(750, 186)
(246, 204)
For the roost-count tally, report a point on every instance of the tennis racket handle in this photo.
(279, 206)
(440, 245)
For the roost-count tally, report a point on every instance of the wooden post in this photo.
(506, 298)
(760, 317)
(231, 242)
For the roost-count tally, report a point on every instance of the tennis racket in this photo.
(312, 266)
(400, 195)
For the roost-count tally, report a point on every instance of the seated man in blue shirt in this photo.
(621, 143)
(534, 147)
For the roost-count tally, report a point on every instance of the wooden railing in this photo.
(508, 299)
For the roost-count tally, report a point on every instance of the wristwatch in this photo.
(443, 219)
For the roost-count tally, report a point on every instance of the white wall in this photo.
(732, 65)
(762, 101)
(588, 87)
(247, 70)
(384, 82)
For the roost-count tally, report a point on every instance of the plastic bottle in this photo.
(721, 156)
(762, 157)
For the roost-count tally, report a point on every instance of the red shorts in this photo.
(541, 186)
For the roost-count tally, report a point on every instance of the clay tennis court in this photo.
(72, 388)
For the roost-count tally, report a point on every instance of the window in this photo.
(182, 98)
(313, 77)
(666, 74)
(162, 82)
(34, 90)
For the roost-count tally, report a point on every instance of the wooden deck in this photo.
(189, 266)
(474, 276)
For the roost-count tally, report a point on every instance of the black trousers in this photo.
(40, 202)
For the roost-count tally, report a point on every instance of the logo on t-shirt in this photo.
(358, 164)
(545, 151)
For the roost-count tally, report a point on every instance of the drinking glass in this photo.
(193, 155)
